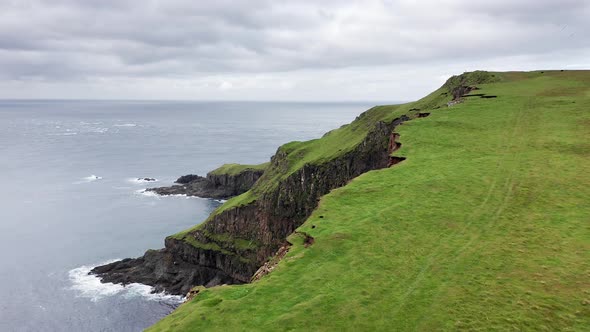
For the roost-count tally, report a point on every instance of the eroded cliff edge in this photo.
(241, 235)
(235, 241)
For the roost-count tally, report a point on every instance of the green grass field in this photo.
(485, 226)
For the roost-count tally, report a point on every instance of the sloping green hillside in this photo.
(485, 226)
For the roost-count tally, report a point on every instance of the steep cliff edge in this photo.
(242, 234)
(226, 181)
(484, 226)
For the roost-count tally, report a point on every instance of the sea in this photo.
(71, 195)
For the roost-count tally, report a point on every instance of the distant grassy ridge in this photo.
(485, 225)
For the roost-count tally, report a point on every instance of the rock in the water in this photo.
(188, 178)
(159, 269)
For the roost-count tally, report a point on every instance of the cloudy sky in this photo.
(277, 50)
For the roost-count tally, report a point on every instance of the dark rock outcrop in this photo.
(212, 186)
(188, 178)
(161, 269)
(215, 253)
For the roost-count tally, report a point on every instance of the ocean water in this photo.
(70, 198)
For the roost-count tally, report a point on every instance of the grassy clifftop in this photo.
(235, 169)
(485, 225)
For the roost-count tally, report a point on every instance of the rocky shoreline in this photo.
(162, 268)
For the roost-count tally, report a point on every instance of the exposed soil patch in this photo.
(272, 263)
(481, 95)
(395, 160)
(308, 239)
(393, 144)
(192, 293)
(423, 115)
(461, 91)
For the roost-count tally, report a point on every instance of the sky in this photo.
(328, 50)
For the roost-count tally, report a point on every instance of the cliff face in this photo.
(234, 243)
(242, 234)
(235, 184)
(269, 220)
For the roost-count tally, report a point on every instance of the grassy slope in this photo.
(485, 226)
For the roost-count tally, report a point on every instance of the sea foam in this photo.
(90, 178)
(90, 286)
(141, 180)
(148, 193)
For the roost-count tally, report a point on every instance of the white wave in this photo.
(147, 193)
(90, 178)
(90, 286)
(125, 125)
(184, 196)
(145, 291)
(150, 193)
(141, 180)
(63, 134)
(98, 130)
(221, 200)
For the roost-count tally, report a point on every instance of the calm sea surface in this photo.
(70, 198)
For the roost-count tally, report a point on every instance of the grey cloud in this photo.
(66, 39)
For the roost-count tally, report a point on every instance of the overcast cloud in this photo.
(269, 50)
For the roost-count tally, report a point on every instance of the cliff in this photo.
(483, 225)
(240, 236)
(226, 181)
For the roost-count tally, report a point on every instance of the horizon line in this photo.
(199, 100)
